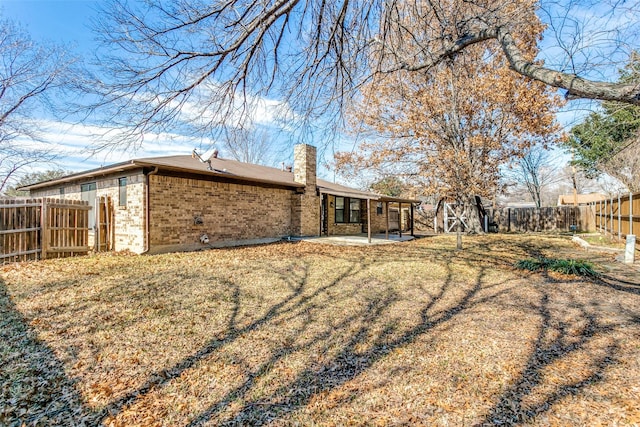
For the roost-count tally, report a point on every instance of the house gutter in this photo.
(147, 232)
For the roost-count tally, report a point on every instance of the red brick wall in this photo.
(183, 209)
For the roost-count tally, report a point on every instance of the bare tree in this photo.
(533, 172)
(199, 64)
(625, 165)
(251, 145)
(32, 178)
(15, 159)
(30, 76)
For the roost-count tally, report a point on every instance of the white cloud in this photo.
(73, 143)
(210, 103)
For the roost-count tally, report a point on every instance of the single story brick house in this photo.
(172, 203)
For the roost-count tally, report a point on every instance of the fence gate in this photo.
(104, 224)
(42, 228)
(451, 219)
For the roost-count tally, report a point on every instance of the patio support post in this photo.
(386, 213)
(321, 215)
(369, 220)
(400, 219)
(412, 223)
(328, 202)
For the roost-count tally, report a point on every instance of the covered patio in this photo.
(348, 213)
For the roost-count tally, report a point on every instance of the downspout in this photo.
(147, 232)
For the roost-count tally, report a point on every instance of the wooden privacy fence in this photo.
(42, 228)
(556, 219)
(524, 220)
(619, 215)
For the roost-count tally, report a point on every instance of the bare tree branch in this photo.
(534, 172)
(197, 66)
(31, 78)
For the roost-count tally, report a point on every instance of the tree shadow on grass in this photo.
(358, 354)
(557, 340)
(294, 301)
(367, 341)
(613, 282)
(34, 389)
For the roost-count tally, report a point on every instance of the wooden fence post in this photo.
(630, 212)
(605, 216)
(44, 229)
(600, 215)
(611, 214)
(619, 218)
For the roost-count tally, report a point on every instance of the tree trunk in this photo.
(459, 210)
(472, 216)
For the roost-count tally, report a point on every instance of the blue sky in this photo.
(60, 21)
(68, 22)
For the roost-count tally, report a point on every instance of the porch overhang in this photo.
(340, 191)
(398, 200)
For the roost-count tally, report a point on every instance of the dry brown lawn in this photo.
(305, 334)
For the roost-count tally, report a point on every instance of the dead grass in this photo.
(603, 240)
(303, 334)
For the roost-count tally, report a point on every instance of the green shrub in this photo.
(531, 264)
(565, 266)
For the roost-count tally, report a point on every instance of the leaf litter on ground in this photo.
(298, 333)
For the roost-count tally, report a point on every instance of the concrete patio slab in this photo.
(358, 240)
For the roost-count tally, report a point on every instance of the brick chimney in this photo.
(304, 166)
(305, 207)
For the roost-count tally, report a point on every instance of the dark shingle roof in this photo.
(223, 167)
(227, 168)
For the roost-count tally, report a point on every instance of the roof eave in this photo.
(365, 196)
(356, 194)
(134, 164)
(80, 175)
(398, 200)
(221, 175)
